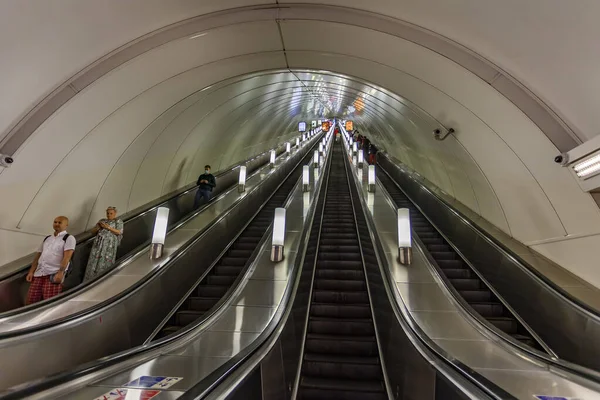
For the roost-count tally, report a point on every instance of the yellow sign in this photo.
(349, 126)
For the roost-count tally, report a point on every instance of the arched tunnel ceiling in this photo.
(107, 115)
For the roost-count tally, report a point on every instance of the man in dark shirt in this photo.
(206, 183)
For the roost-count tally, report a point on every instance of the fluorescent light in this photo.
(404, 239)
(160, 225)
(287, 147)
(279, 227)
(305, 175)
(354, 147)
(316, 157)
(588, 167)
(320, 147)
(361, 157)
(242, 178)
(272, 160)
(371, 175)
(297, 141)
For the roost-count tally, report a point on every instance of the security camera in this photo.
(562, 159)
(437, 133)
(6, 161)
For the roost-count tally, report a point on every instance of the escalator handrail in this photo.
(125, 293)
(36, 386)
(554, 361)
(134, 214)
(424, 344)
(578, 304)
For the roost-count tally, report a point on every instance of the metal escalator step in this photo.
(236, 253)
(211, 290)
(505, 324)
(338, 344)
(325, 296)
(338, 242)
(341, 248)
(488, 309)
(233, 261)
(476, 296)
(341, 367)
(445, 255)
(339, 256)
(186, 317)
(220, 280)
(343, 326)
(340, 310)
(349, 274)
(457, 273)
(340, 264)
(466, 284)
(340, 285)
(450, 264)
(228, 270)
(429, 241)
(339, 389)
(428, 235)
(528, 340)
(202, 304)
(245, 246)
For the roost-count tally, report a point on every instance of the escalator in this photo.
(341, 358)
(458, 273)
(222, 276)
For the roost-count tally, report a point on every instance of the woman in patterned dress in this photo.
(104, 251)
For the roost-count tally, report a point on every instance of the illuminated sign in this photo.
(349, 126)
(326, 125)
(302, 127)
(314, 124)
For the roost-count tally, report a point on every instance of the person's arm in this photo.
(67, 254)
(212, 182)
(34, 266)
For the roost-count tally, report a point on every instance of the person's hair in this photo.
(207, 166)
(111, 208)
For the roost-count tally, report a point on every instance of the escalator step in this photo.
(201, 303)
(466, 284)
(505, 324)
(220, 280)
(476, 296)
(354, 274)
(429, 241)
(450, 264)
(340, 264)
(457, 273)
(340, 311)
(324, 296)
(227, 270)
(343, 326)
(327, 389)
(211, 290)
(336, 344)
(340, 285)
(326, 256)
(341, 367)
(439, 247)
(488, 309)
(186, 317)
(446, 255)
(236, 253)
(233, 261)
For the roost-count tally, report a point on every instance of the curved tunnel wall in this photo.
(148, 127)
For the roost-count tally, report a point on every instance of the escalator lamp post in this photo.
(321, 148)
(404, 239)
(316, 158)
(242, 179)
(371, 179)
(354, 147)
(361, 158)
(305, 178)
(288, 148)
(160, 232)
(278, 235)
(272, 160)
(297, 142)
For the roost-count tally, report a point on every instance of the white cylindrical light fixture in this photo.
(321, 161)
(297, 142)
(159, 233)
(354, 160)
(316, 158)
(371, 178)
(305, 178)
(288, 148)
(361, 158)
(272, 159)
(242, 179)
(320, 147)
(278, 235)
(354, 147)
(404, 237)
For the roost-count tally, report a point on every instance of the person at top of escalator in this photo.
(50, 263)
(104, 251)
(206, 183)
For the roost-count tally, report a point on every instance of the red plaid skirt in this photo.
(41, 289)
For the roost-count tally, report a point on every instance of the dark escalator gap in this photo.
(460, 275)
(341, 359)
(225, 272)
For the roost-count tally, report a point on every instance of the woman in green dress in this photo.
(104, 250)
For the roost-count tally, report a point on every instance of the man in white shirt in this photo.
(48, 269)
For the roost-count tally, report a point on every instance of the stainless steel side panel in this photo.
(572, 332)
(128, 321)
